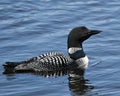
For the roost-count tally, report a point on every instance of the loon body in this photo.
(56, 60)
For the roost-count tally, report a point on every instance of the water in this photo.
(29, 28)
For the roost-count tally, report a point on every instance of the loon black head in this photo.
(76, 38)
(80, 34)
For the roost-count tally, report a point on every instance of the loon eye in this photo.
(87, 32)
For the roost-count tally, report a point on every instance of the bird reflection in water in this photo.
(77, 84)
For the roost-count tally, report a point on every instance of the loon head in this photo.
(80, 34)
(75, 40)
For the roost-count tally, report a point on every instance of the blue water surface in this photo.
(31, 27)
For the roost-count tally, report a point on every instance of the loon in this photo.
(57, 60)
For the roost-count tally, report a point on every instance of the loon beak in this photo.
(93, 32)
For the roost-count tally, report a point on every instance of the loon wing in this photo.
(45, 62)
(42, 56)
(51, 63)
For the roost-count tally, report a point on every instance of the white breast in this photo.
(82, 62)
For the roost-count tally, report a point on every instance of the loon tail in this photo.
(9, 67)
(11, 64)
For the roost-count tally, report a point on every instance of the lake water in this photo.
(31, 27)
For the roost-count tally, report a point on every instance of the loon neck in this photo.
(76, 52)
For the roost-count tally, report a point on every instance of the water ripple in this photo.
(29, 28)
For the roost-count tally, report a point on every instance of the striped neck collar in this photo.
(76, 52)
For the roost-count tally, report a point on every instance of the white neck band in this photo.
(73, 49)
